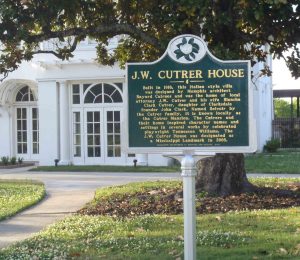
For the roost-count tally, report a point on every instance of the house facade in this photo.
(73, 111)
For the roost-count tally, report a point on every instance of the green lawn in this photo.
(280, 162)
(106, 168)
(18, 195)
(261, 234)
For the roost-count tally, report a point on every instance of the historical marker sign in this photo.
(188, 99)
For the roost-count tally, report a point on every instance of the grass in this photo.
(262, 234)
(280, 162)
(106, 168)
(18, 195)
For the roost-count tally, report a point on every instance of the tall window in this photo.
(113, 134)
(97, 121)
(27, 123)
(22, 130)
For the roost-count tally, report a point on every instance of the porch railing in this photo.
(287, 130)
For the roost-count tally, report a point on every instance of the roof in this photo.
(286, 93)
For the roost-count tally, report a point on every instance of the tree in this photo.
(233, 29)
(283, 108)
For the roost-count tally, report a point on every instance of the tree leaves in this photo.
(227, 26)
(166, 201)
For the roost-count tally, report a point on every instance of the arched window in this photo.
(25, 95)
(27, 123)
(103, 93)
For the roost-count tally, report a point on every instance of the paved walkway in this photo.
(66, 193)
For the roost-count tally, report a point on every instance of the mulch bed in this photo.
(13, 166)
(163, 201)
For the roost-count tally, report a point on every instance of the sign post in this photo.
(191, 104)
(188, 174)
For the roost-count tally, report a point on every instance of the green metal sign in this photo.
(189, 99)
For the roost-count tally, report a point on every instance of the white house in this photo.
(72, 111)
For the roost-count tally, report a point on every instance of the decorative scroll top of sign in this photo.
(187, 49)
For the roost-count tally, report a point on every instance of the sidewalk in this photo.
(273, 175)
(67, 192)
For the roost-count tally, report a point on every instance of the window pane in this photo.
(76, 89)
(107, 99)
(85, 87)
(117, 98)
(25, 148)
(19, 126)
(19, 148)
(117, 127)
(34, 137)
(19, 96)
(97, 116)
(34, 125)
(77, 139)
(31, 96)
(24, 134)
(25, 97)
(35, 148)
(109, 115)
(97, 151)
(19, 137)
(120, 85)
(117, 115)
(97, 128)
(90, 152)
(77, 116)
(77, 151)
(19, 113)
(110, 128)
(77, 129)
(76, 99)
(90, 117)
(97, 89)
(117, 151)
(110, 140)
(34, 113)
(97, 139)
(117, 139)
(24, 125)
(90, 128)
(109, 89)
(110, 151)
(90, 140)
(98, 99)
(89, 98)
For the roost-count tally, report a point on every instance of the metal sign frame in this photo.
(252, 139)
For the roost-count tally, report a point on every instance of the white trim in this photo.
(83, 79)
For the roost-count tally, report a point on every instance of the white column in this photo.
(142, 159)
(64, 124)
(48, 121)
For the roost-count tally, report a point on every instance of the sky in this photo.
(282, 78)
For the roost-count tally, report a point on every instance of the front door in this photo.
(102, 136)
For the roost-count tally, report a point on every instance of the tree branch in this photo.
(100, 30)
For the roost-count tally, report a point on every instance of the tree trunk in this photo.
(222, 175)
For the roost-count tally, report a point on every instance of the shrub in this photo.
(20, 160)
(5, 160)
(13, 160)
(272, 145)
